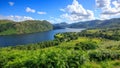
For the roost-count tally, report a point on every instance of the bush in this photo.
(87, 45)
(101, 55)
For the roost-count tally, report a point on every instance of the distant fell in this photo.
(115, 22)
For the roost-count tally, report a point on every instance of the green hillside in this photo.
(115, 22)
(93, 48)
(8, 27)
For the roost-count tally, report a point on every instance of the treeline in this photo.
(36, 46)
(8, 27)
(60, 37)
(108, 33)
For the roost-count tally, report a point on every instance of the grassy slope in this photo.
(58, 54)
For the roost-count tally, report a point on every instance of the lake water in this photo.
(13, 40)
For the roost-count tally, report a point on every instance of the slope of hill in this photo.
(8, 27)
(60, 25)
(115, 22)
(85, 24)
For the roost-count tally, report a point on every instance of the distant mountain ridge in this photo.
(85, 24)
(115, 22)
(61, 25)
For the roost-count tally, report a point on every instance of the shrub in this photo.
(87, 45)
(101, 55)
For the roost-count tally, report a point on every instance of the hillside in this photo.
(115, 22)
(61, 25)
(93, 48)
(86, 24)
(8, 27)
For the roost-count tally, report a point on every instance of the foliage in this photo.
(100, 55)
(87, 45)
(42, 58)
(36, 46)
(109, 33)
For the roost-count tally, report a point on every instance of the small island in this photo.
(8, 27)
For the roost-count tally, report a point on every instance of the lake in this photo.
(12, 40)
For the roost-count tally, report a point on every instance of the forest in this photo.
(91, 48)
(8, 27)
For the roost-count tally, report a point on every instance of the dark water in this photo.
(13, 40)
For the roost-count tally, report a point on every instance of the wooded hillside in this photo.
(8, 27)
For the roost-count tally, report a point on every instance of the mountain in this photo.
(8, 27)
(115, 22)
(85, 24)
(61, 25)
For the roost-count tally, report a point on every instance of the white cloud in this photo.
(103, 17)
(116, 3)
(41, 13)
(108, 11)
(16, 18)
(28, 9)
(11, 3)
(55, 20)
(103, 3)
(75, 12)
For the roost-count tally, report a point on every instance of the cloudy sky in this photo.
(57, 11)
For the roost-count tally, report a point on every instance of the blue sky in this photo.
(57, 11)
